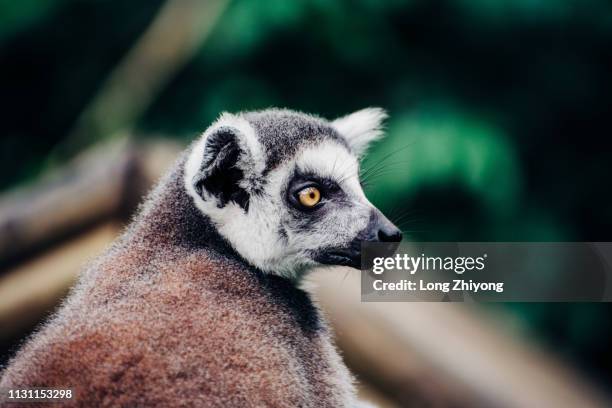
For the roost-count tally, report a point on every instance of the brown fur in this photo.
(169, 316)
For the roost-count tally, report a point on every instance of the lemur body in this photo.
(197, 303)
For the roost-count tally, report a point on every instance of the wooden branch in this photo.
(88, 190)
(33, 289)
(420, 348)
(105, 182)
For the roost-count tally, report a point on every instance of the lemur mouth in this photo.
(351, 256)
(341, 257)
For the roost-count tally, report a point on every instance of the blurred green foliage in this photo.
(499, 110)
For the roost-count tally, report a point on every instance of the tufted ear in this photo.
(361, 128)
(225, 165)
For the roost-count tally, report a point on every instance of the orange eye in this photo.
(309, 197)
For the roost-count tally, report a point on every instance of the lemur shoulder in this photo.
(197, 303)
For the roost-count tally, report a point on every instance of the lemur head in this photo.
(283, 187)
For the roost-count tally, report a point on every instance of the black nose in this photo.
(389, 233)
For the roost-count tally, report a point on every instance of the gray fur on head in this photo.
(243, 171)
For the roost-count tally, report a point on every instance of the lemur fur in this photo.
(197, 303)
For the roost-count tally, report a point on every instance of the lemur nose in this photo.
(381, 229)
(389, 233)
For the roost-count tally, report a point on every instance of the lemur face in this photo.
(283, 188)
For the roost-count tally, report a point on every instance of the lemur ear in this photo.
(361, 128)
(226, 163)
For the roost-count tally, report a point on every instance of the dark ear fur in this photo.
(220, 174)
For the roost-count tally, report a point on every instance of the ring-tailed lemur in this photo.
(197, 303)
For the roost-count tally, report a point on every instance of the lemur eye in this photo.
(309, 196)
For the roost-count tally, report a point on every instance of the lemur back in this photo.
(178, 312)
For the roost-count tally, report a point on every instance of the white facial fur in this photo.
(268, 235)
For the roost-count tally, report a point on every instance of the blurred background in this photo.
(499, 130)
